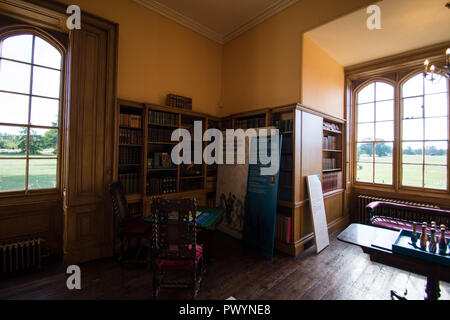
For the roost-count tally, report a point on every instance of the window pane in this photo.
(12, 174)
(13, 141)
(365, 152)
(385, 110)
(436, 152)
(46, 55)
(14, 108)
(413, 129)
(385, 131)
(436, 177)
(14, 76)
(413, 87)
(437, 86)
(17, 48)
(46, 82)
(412, 175)
(383, 173)
(384, 91)
(412, 152)
(366, 132)
(413, 108)
(43, 143)
(366, 112)
(42, 174)
(367, 94)
(436, 105)
(436, 129)
(383, 152)
(44, 112)
(364, 172)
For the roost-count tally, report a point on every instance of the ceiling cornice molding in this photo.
(265, 14)
(207, 32)
(181, 19)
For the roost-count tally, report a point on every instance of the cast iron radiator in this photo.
(20, 255)
(364, 216)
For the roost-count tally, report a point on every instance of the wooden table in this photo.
(377, 242)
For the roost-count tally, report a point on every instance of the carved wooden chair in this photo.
(129, 228)
(174, 244)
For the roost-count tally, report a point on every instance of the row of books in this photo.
(250, 123)
(163, 118)
(283, 228)
(159, 135)
(331, 126)
(161, 185)
(286, 144)
(130, 182)
(134, 210)
(130, 120)
(329, 163)
(329, 142)
(332, 181)
(159, 160)
(179, 101)
(127, 136)
(284, 125)
(129, 155)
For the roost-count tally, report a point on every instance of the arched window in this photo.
(30, 103)
(424, 132)
(375, 133)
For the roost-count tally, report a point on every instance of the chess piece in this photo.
(433, 224)
(424, 237)
(414, 234)
(442, 242)
(432, 246)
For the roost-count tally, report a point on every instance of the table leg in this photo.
(432, 289)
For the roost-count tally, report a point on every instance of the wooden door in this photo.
(88, 217)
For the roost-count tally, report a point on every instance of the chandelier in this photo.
(431, 71)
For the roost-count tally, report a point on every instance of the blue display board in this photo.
(261, 204)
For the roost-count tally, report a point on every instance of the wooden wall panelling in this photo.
(90, 152)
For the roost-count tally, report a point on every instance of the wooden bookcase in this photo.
(303, 152)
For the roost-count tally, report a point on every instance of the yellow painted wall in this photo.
(322, 80)
(158, 56)
(263, 67)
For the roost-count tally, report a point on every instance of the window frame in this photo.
(16, 30)
(401, 83)
(396, 186)
(355, 93)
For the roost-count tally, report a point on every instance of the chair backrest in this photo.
(174, 228)
(119, 201)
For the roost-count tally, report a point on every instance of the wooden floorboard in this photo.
(340, 272)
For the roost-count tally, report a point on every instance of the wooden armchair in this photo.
(174, 244)
(129, 228)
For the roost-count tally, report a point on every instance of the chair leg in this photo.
(157, 279)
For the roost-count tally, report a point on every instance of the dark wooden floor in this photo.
(342, 271)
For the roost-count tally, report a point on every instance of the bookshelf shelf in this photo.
(332, 170)
(161, 169)
(169, 143)
(191, 177)
(130, 145)
(130, 128)
(329, 150)
(332, 131)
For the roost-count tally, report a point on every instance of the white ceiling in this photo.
(219, 20)
(406, 25)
